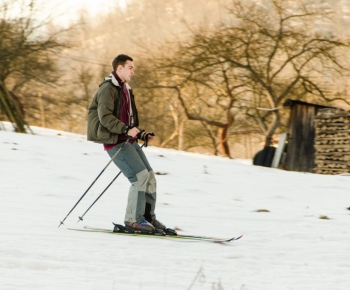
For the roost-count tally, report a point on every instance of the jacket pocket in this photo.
(103, 134)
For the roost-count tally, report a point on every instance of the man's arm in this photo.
(105, 111)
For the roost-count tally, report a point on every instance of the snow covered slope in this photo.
(286, 245)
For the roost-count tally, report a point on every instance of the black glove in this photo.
(128, 128)
(145, 136)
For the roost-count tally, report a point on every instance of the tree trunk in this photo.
(11, 109)
(225, 150)
(181, 134)
(269, 136)
(42, 110)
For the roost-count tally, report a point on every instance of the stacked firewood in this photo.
(332, 141)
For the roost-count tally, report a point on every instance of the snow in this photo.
(42, 176)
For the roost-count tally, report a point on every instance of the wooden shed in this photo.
(300, 153)
(300, 150)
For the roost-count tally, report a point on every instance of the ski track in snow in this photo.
(288, 247)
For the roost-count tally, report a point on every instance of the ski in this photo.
(168, 234)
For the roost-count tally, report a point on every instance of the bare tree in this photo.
(254, 61)
(27, 56)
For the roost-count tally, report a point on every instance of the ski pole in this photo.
(114, 156)
(81, 217)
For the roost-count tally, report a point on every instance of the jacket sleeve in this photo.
(105, 111)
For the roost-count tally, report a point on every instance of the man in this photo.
(113, 121)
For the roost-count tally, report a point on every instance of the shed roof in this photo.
(336, 104)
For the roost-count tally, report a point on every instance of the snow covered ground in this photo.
(289, 247)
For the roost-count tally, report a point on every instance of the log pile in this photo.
(332, 141)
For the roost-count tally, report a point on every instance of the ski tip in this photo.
(234, 239)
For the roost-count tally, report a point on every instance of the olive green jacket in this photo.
(103, 124)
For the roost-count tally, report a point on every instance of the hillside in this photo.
(286, 245)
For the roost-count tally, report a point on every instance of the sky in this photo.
(295, 225)
(66, 11)
(71, 8)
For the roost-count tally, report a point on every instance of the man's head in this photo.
(123, 66)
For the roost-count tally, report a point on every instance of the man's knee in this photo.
(142, 179)
(152, 183)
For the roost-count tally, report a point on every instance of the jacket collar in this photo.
(114, 81)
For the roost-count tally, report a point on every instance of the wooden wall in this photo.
(301, 135)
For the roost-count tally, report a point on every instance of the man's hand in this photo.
(133, 132)
(150, 136)
(146, 137)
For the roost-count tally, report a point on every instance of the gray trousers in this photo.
(133, 163)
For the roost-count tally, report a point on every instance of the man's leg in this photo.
(133, 167)
(151, 186)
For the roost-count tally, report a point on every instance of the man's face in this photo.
(125, 72)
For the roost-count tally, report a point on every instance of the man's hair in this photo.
(121, 59)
